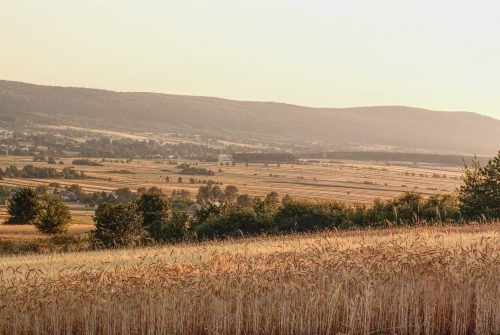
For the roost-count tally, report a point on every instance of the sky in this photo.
(436, 54)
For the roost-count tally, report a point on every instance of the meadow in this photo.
(423, 280)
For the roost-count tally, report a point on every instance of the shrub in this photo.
(123, 195)
(305, 216)
(479, 196)
(209, 193)
(117, 226)
(244, 200)
(377, 214)
(173, 228)
(23, 207)
(189, 170)
(230, 193)
(358, 215)
(154, 206)
(404, 209)
(441, 208)
(85, 161)
(232, 222)
(53, 217)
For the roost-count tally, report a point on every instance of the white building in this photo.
(224, 158)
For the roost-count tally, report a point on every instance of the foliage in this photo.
(196, 171)
(119, 225)
(244, 200)
(209, 193)
(172, 229)
(86, 161)
(181, 199)
(23, 207)
(54, 215)
(306, 216)
(154, 207)
(230, 193)
(479, 196)
(31, 171)
(232, 221)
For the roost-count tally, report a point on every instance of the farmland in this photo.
(427, 280)
(433, 278)
(345, 181)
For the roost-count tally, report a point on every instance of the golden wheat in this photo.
(399, 281)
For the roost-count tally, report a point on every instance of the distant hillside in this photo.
(393, 127)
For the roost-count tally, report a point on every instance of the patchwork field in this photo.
(439, 280)
(346, 181)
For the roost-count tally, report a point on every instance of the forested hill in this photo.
(390, 127)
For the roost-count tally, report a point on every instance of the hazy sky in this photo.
(439, 54)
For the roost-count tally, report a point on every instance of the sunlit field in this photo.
(423, 280)
(344, 181)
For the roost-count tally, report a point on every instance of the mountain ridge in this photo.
(394, 127)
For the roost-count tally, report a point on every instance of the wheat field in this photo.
(426, 280)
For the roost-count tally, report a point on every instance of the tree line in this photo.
(31, 171)
(151, 216)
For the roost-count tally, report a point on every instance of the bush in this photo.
(23, 207)
(85, 161)
(441, 208)
(244, 200)
(232, 222)
(117, 226)
(173, 228)
(53, 217)
(406, 208)
(209, 193)
(195, 171)
(479, 196)
(154, 206)
(305, 216)
(377, 214)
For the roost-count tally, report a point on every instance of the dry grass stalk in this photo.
(401, 281)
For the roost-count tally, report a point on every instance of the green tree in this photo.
(124, 195)
(209, 193)
(230, 193)
(406, 207)
(232, 221)
(173, 229)
(441, 208)
(23, 207)
(307, 216)
(479, 196)
(54, 216)
(244, 200)
(117, 226)
(154, 206)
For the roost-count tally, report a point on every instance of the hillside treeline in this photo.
(451, 160)
(263, 157)
(31, 171)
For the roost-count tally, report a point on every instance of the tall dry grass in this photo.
(400, 281)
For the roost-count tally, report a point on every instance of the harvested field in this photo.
(345, 181)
